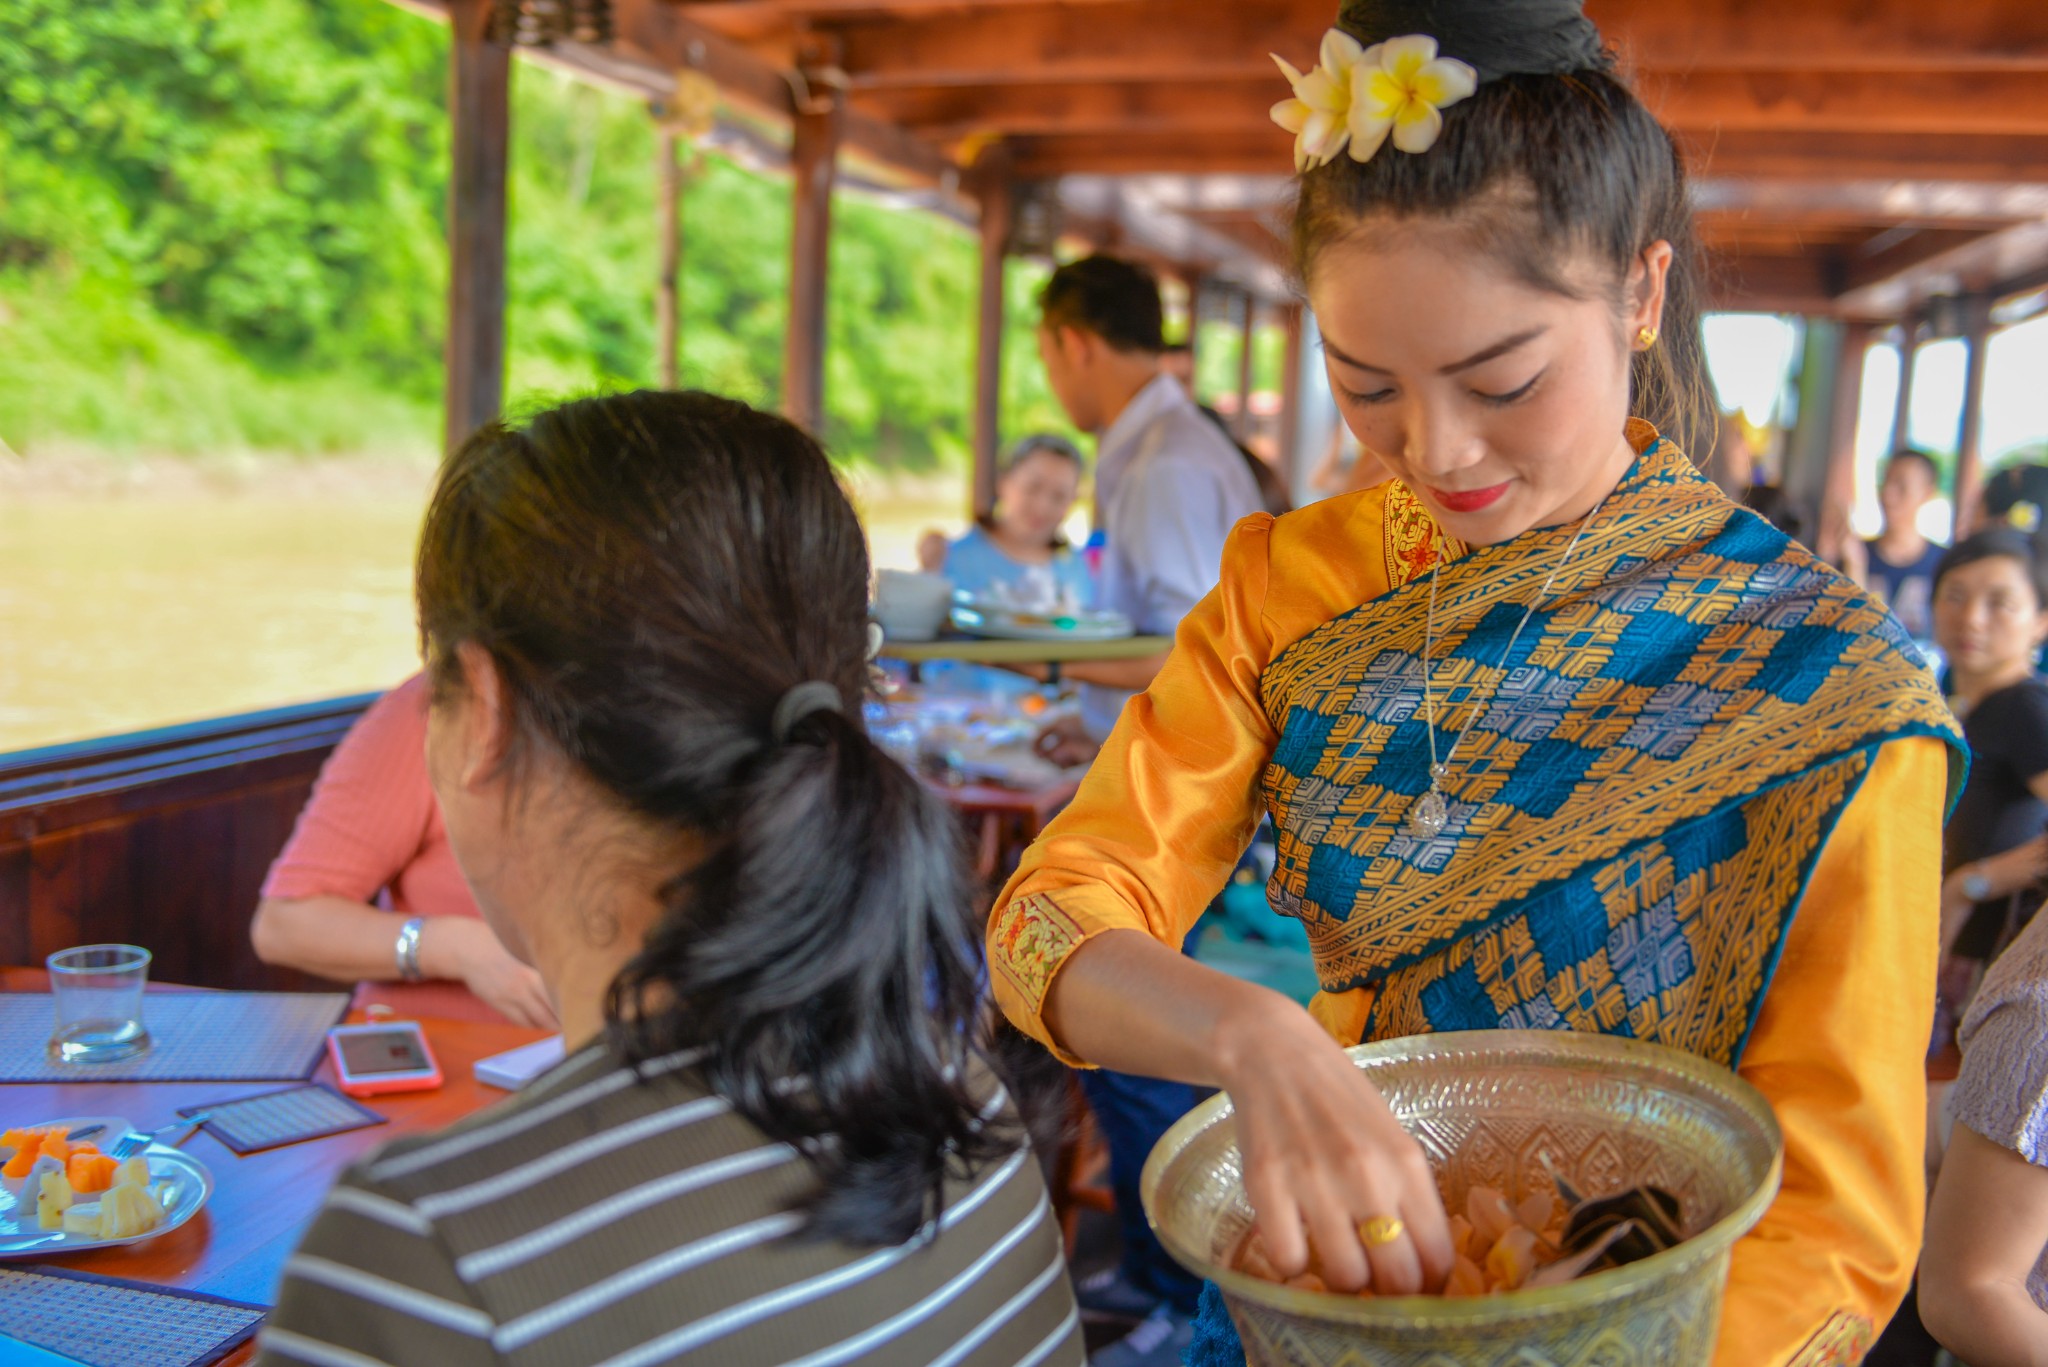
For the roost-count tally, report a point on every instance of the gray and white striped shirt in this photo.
(604, 1218)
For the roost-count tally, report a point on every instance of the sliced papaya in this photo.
(91, 1172)
(24, 1158)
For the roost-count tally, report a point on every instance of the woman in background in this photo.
(1037, 486)
(1984, 1273)
(1990, 618)
(367, 889)
(777, 1137)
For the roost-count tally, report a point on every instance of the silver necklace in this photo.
(1432, 811)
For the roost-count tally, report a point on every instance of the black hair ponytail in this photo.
(826, 939)
(652, 573)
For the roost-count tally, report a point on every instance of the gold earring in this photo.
(1645, 338)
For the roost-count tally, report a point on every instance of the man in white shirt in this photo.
(1169, 485)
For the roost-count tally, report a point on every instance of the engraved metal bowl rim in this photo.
(1571, 1298)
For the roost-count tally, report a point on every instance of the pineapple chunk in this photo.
(52, 1200)
(127, 1210)
(33, 1183)
(135, 1170)
(83, 1218)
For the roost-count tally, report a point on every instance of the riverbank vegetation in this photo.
(222, 230)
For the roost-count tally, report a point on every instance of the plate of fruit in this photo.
(65, 1186)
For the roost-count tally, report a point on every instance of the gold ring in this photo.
(1381, 1230)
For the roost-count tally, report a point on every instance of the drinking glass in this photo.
(98, 994)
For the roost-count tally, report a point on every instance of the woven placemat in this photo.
(107, 1322)
(194, 1037)
(290, 1115)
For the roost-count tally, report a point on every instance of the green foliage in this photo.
(222, 226)
(1219, 353)
(86, 362)
(266, 172)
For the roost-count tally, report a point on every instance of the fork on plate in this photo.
(135, 1141)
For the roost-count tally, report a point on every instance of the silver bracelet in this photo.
(408, 949)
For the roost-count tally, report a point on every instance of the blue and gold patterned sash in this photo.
(1645, 787)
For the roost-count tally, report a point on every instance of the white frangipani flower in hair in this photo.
(1356, 96)
(1405, 93)
(1319, 113)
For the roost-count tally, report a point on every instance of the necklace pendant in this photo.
(1428, 817)
(1438, 773)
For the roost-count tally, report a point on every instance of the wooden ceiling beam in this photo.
(1891, 254)
(1769, 284)
(1845, 35)
(1828, 156)
(1140, 154)
(1818, 158)
(714, 10)
(1719, 228)
(1991, 103)
(1975, 102)
(1988, 264)
(1135, 39)
(1881, 202)
(661, 33)
(1128, 40)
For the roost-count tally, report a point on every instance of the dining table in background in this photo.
(1001, 822)
(977, 650)
(236, 1247)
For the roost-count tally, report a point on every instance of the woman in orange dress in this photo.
(1554, 734)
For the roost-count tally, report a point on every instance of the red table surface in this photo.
(261, 1203)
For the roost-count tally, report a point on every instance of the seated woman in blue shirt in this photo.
(1037, 485)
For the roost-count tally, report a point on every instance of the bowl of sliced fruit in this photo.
(87, 1182)
(1595, 1186)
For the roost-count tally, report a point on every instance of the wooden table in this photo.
(261, 1204)
(975, 650)
(1004, 820)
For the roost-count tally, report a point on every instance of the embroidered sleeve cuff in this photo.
(1029, 940)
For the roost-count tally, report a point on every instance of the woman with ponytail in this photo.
(776, 1136)
(1554, 734)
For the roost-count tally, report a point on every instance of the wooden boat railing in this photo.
(160, 838)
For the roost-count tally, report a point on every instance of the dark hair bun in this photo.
(1497, 37)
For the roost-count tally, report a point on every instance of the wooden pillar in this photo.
(814, 166)
(1290, 400)
(1244, 369)
(996, 190)
(1838, 482)
(1902, 412)
(479, 113)
(1970, 431)
(668, 303)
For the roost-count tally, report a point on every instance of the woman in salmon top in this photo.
(372, 833)
(1554, 734)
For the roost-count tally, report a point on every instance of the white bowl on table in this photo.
(911, 605)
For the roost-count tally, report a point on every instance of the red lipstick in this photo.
(1469, 500)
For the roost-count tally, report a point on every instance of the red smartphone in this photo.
(385, 1056)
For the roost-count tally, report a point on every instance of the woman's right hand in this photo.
(465, 949)
(1323, 1153)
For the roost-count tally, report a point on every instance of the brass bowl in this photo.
(1489, 1107)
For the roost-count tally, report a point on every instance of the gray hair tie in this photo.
(813, 695)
